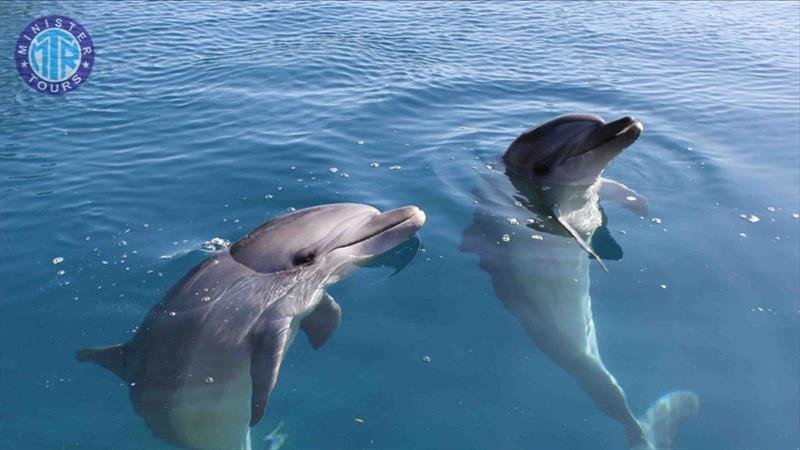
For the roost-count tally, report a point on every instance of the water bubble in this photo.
(208, 380)
(753, 218)
(537, 237)
(426, 358)
(771, 208)
(395, 168)
(506, 238)
(359, 420)
(655, 220)
(630, 198)
(58, 260)
(375, 164)
(216, 244)
(744, 235)
(513, 221)
(360, 142)
(333, 170)
(268, 196)
(662, 286)
(60, 272)
(173, 314)
(291, 209)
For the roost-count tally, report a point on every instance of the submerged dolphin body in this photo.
(204, 362)
(533, 226)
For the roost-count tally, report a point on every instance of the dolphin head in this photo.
(326, 239)
(571, 149)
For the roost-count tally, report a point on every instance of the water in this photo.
(203, 120)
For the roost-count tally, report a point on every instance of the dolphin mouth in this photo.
(626, 129)
(615, 136)
(396, 225)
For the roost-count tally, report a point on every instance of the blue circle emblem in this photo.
(54, 54)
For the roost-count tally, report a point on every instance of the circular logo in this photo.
(54, 54)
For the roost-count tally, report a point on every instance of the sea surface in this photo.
(203, 120)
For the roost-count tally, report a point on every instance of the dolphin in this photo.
(537, 217)
(203, 363)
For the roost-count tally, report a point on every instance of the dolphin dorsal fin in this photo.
(578, 238)
(113, 358)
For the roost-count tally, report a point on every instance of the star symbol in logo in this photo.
(24, 64)
(85, 65)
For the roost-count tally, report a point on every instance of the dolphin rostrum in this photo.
(534, 223)
(203, 363)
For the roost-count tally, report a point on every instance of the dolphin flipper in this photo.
(604, 244)
(624, 196)
(579, 239)
(322, 322)
(270, 348)
(113, 358)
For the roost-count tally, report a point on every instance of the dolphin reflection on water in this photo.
(534, 224)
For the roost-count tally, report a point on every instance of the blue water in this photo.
(204, 120)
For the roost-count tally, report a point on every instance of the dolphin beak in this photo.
(384, 231)
(617, 135)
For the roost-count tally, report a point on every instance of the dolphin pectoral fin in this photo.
(604, 244)
(580, 240)
(322, 322)
(270, 348)
(113, 358)
(624, 196)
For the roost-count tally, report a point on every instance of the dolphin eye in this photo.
(541, 170)
(302, 258)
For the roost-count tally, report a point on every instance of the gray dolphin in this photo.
(203, 363)
(533, 226)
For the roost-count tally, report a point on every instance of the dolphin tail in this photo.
(661, 421)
